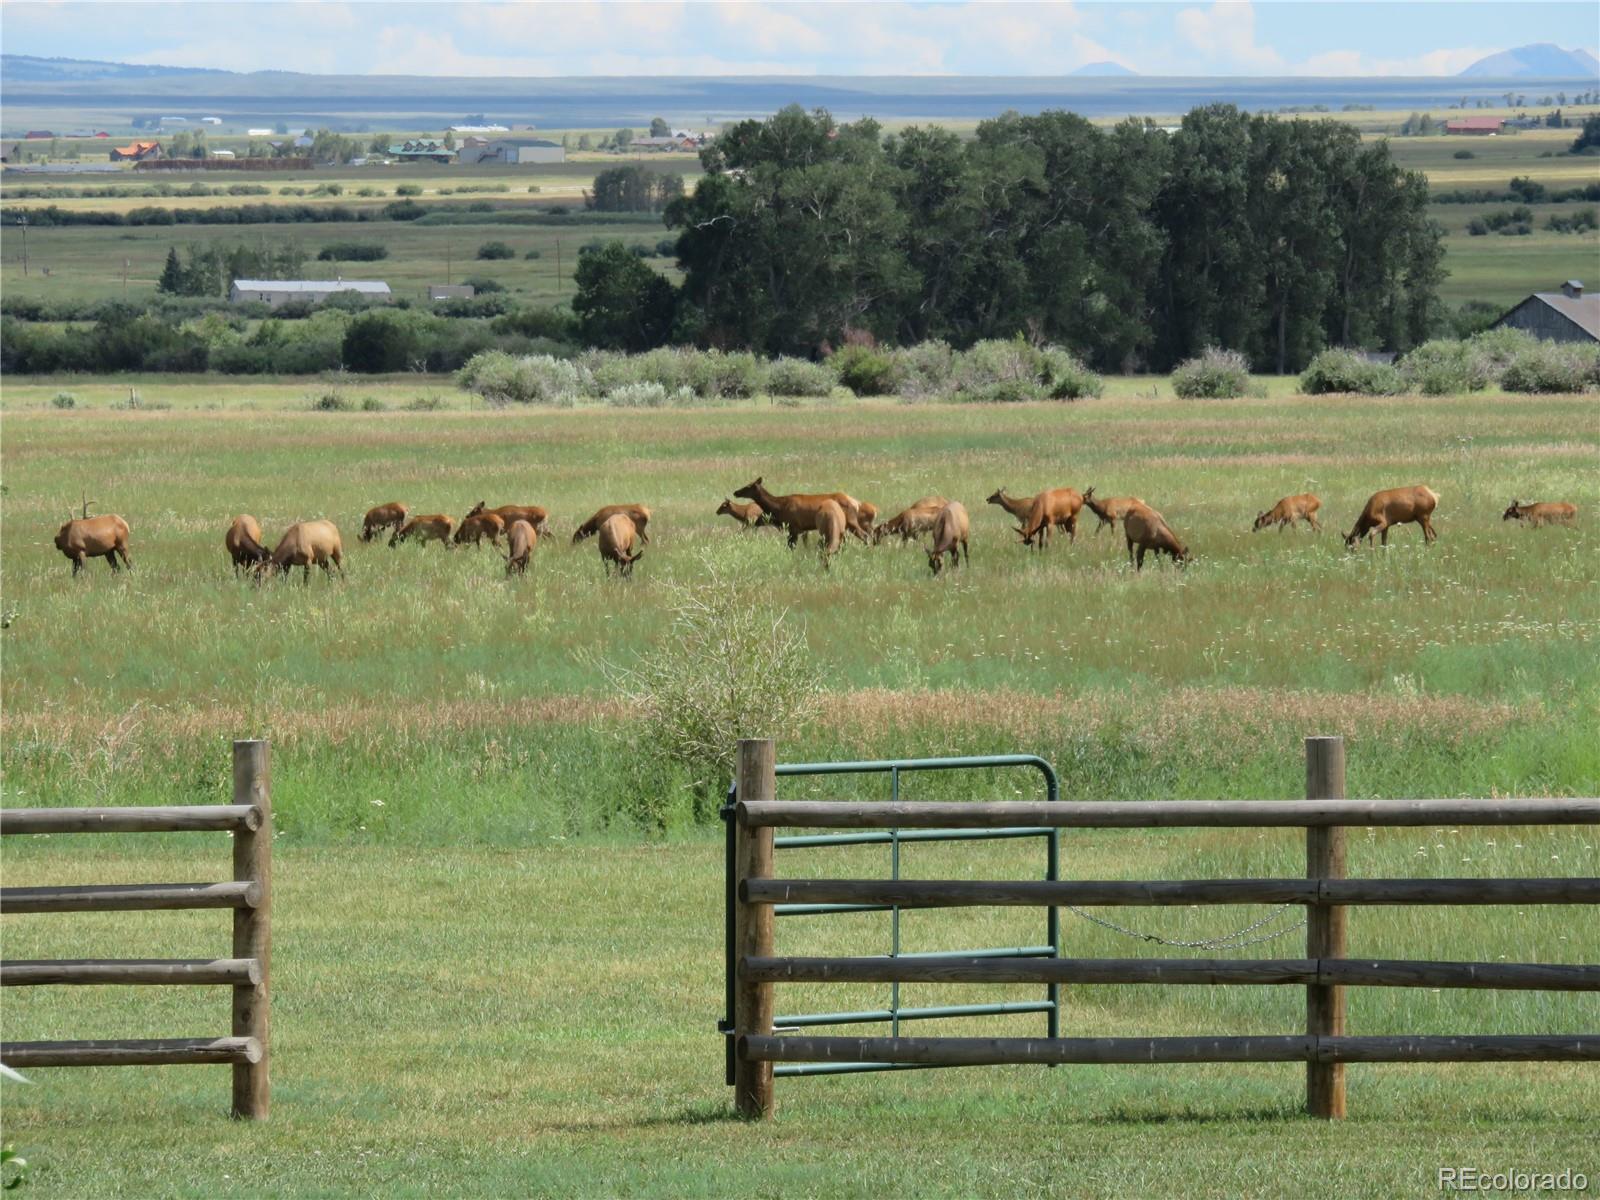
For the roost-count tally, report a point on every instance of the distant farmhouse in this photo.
(1564, 316)
(136, 152)
(451, 291)
(516, 150)
(1475, 126)
(276, 292)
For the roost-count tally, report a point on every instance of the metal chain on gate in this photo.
(1229, 941)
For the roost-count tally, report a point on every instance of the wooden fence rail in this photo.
(1325, 971)
(248, 894)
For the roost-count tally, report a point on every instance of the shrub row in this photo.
(989, 371)
(1505, 358)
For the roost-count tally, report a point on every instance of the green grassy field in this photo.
(478, 1022)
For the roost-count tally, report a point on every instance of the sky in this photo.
(955, 37)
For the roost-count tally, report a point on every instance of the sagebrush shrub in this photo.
(1546, 367)
(1445, 368)
(1215, 375)
(637, 395)
(866, 371)
(1334, 371)
(502, 378)
(799, 377)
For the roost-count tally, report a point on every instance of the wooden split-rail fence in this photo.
(1325, 971)
(248, 894)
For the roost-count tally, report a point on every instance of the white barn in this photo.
(281, 291)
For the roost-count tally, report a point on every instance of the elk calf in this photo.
(1549, 512)
(748, 514)
(386, 516)
(435, 527)
(617, 537)
(912, 522)
(538, 517)
(950, 537)
(104, 537)
(521, 541)
(1110, 511)
(243, 541)
(1148, 532)
(1289, 510)
(1395, 506)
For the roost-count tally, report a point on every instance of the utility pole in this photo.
(558, 266)
(447, 262)
(124, 279)
(22, 221)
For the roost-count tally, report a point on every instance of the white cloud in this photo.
(1225, 34)
(1353, 62)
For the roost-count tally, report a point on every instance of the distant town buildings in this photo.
(136, 152)
(1475, 126)
(515, 150)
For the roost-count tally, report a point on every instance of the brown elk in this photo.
(386, 516)
(950, 537)
(538, 517)
(521, 541)
(1549, 512)
(1054, 509)
(1018, 506)
(1289, 510)
(305, 544)
(1109, 511)
(748, 514)
(1395, 506)
(1148, 532)
(869, 515)
(435, 527)
(482, 525)
(243, 541)
(617, 537)
(798, 512)
(83, 538)
(637, 513)
(830, 530)
(913, 521)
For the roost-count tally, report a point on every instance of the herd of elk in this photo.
(622, 528)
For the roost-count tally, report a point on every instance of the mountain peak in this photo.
(1542, 60)
(1103, 68)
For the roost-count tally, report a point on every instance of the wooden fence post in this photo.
(752, 1001)
(252, 926)
(1325, 926)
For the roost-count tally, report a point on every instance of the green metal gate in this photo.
(894, 838)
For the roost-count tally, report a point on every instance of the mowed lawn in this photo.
(542, 1022)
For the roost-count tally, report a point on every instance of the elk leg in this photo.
(1311, 519)
(111, 560)
(1140, 565)
(1427, 530)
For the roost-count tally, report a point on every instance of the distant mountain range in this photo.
(1543, 60)
(1102, 69)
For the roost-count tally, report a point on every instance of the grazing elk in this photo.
(1053, 509)
(386, 516)
(748, 514)
(479, 526)
(538, 517)
(912, 522)
(1148, 532)
(830, 530)
(83, 538)
(950, 537)
(521, 541)
(243, 541)
(798, 512)
(869, 515)
(435, 527)
(1395, 506)
(1289, 510)
(637, 513)
(617, 537)
(305, 544)
(1109, 511)
(1549, 512)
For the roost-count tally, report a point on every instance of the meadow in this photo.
(497, 961)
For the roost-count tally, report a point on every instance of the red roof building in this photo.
(1482, 126)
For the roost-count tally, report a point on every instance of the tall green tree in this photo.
(620, 302)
